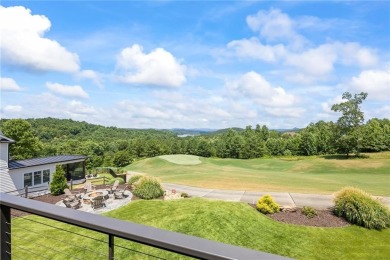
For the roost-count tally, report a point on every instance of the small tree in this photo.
(58, 184)
(349, 123)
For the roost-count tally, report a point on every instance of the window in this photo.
(46, 176)
(37, 177)
(28, 179)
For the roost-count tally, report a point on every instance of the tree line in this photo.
(111, 146)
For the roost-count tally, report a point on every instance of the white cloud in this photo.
(67, 91)
(92, 75)
(9, 84)
(12, 108)
(253, 49)
(76, 107)
(159, 67)
(375, 82)
(274, 25)
(256, 87)
(23, 42)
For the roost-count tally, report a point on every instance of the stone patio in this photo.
(111, 204)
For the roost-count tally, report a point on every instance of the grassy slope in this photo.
(228, 222)
(309, 175)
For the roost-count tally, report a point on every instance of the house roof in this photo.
(4, 139)
(44, 160)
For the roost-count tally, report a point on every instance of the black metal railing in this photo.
(113, 228)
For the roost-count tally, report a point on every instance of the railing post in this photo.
(71, 184)
(5, 230)
(104, 180)
(110, 247)
(26, 191)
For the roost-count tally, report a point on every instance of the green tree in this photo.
(58, 184)
(349, 134)
(26, 145)
(122, 158)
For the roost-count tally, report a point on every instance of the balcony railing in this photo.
(171, 241)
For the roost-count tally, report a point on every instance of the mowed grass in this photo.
(227, 222)
(299, 174)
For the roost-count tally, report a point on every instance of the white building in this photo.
(35, 173)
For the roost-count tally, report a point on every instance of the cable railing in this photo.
(50, 231)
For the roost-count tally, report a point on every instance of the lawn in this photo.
(227, 222)
(297, 174)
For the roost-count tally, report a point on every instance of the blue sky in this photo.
(193, 64)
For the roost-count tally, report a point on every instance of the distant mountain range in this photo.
(183, 132)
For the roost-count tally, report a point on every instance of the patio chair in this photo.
(73, 204)
(72, 196)
(113, 188)
(88, 186)
(98, 202)
(120, 194)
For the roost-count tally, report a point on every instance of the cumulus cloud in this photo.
(375, 82)
(159, 67)
(9, 84)
(256, 87)
(67, 91)
(23, 42)
(253, 49)
(317, 63)
(274, 25)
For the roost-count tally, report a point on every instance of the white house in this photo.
(35, 173)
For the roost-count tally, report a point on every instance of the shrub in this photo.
(359, 208)
(121, 181)
(267, 205)
(133, 179)
(309, 212)
(184, 195)
(147, 188)
(58, 184)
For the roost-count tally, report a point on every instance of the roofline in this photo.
(61, 162)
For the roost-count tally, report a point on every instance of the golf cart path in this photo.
(286, 199)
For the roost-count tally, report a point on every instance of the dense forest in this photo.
(111, 146)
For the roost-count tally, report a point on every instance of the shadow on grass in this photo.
(344, 157)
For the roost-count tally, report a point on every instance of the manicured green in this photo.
(359, 208)
(227, 222)
(182, 159)
(293, 174)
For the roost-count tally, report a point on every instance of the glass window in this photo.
(37, 178)
(28, 179)
(46, 176)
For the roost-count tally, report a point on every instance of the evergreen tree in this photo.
(58, 184)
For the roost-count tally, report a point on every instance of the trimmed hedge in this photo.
(147, 188)
(309, 212)
(359, 208)
(267, 205)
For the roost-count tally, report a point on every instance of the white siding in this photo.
(4, 152)
(6, 182)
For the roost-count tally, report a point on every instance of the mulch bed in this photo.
(324, 218)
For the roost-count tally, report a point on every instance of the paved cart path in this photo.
(286, 199)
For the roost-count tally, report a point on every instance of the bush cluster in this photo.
(133, 179)
(359, 208)
(121, 181)
(148, 188)
(267, 205)
(309, 212)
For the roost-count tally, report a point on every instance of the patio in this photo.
(110, 201)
